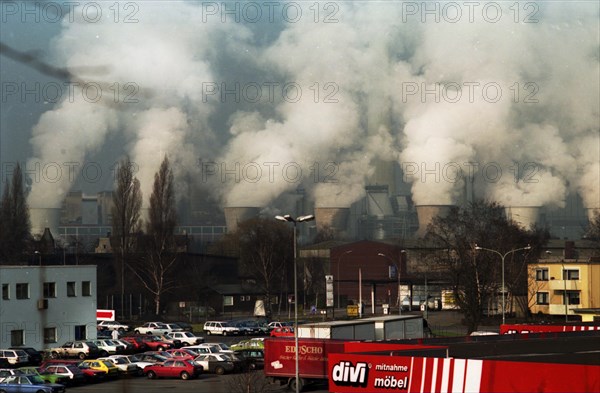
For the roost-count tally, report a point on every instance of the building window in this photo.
(541, 274)
(16, 338)
(571, 274)
(49, 335)
(49, 289)
(572, 297)
(228, 300)
(22, 291)
(542, 298)
(80, 332)
(5, 292)
(71, 288)
(86, 288)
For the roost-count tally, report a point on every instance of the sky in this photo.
(253, 100)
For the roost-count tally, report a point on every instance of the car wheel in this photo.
(81, 355)
(185, 375)
(54, 355)
(136, 331)
(121, 330)
(103, 354)
(208, 332)
(151, 375)
(161, 348)
(219, 370)
(224, 333)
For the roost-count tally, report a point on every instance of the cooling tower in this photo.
(335, 218)
(426, 214)
(42, 218)
(235, 215)
(525, 216)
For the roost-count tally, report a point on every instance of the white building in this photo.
(45, 306)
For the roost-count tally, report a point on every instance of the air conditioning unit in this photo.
(42, 304)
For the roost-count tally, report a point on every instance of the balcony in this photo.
(561, 285)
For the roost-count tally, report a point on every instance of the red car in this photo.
(175, 368)
(138, 344)
(154, 343)
(282, 332)
(182, 353)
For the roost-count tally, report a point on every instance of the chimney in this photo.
(235, 215)
(524, 216)
(426, 214)
(335, 218)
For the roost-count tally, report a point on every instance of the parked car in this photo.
(129, 359)
(35, 356)
(46, 376)
(15, 357)
(138, 343)
(148, 358)
(254, 328)
(282, 332)
(182, 353)
(215, 363)
(80, 349)
(30, 383)
(107, 366)
(152, 328)
(221, 327)
(90, 375)
(253, 343)
(173, 327)
(254, 359)
(129, 347)
(125, 367)
(185, 338)
(155, 343)
(7, 372)
(73, 373)
(276, 324)
(187, 327)
(201, 349)
(221, 347)
(112, 325)
(176, 368)
(109, 347)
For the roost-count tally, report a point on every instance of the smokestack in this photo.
(42, 218)
(524, 216)
(336, 218)
(235, 215)
(426, 214)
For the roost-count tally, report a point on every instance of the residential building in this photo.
(45, 306)
(565, 284)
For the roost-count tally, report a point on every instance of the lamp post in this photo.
(295, 221)
(503, 256)
(39, 254)
(397, 265)
(338, 276)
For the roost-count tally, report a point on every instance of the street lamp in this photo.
(503, 256)
(397, 276)
(338, 276)
(295, 221)
(39, 254)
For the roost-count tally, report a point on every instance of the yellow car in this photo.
(106, 366)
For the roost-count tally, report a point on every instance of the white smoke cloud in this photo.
(365, 61)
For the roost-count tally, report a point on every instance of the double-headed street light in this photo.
(295, 221)
(397, 265)
(503, 256)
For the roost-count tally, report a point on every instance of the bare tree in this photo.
(475, 275)
(127, 205)
(265, 250)
(15, 231)
(160, 256)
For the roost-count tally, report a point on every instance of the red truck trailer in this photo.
(280, 359)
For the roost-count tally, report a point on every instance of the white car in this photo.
(113, 325)
(129, 359)
(173, 327)
(155, 328)
(201, 350)
(221, 327)
(15, 357)
(109, 346)
(185, 338)
(126, 367)
(220, 347)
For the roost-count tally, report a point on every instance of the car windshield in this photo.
(119, 360)
(188, 334)
(91, 345)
